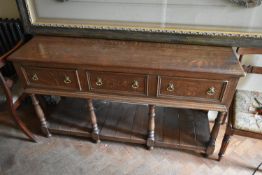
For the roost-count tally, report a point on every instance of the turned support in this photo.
(40, 114)
(214, 133)
(95, 131)
(151, 127)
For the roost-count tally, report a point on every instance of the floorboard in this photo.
(69, 155)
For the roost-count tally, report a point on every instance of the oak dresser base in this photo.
(185, 79)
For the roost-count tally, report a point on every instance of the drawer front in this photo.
(175, 87)
(66, 79)
(118, 83)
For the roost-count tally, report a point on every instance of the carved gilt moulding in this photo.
(248, 3)
(37, 19)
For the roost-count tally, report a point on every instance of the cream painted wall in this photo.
(8, 9)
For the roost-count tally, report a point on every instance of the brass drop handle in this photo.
(135, 84)
(35, 77)
(99, 81)
(67, 80)
(211, 91)
(170, 87)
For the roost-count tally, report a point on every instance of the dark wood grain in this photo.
(184, 129)
(194, 69)
(65, 79)
(112, 118)
(138, 100)
(139, 126)
(192, 88)
(172, 126)
(160, 122)
(129, 54)
(188, 131)
(71, 117)
(202, 77)
(118, 83)
(128, 123)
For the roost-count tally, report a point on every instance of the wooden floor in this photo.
(67, 155)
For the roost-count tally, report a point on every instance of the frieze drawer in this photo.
(118, 83)
(176, 87)
(66, 79)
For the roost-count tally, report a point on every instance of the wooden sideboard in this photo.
(167, 75)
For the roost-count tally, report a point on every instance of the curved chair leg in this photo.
(224, 146)
(214, 133)
(23, 127)
(225, 142)
(13, 112)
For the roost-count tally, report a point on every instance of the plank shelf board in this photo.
(175, 128)
(70, 117)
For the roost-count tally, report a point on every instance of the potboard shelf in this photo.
(175, 128)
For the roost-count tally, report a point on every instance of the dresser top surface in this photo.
(128, 54)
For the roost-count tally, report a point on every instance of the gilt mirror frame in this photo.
(33, 25)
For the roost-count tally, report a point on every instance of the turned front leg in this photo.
(95, 132)
(211, 145)
(40, 114)
(151, 127)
